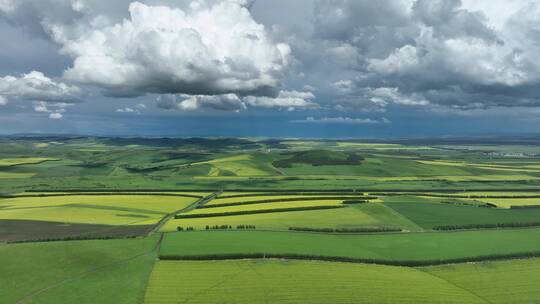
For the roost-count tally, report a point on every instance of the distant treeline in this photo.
(525, 207)
(424, 192)
(200, 215)
(277, 193)
(487, 226)
(408, 263)
(74, 238)
(353, 202)
(277, 200)
(471, 204)
(99, 193)
(347, 230)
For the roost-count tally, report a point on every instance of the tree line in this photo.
(347, 230)
(242, 212)
(289, 199)
(487, 226)
(408, 263)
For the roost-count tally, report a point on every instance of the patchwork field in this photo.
(230, 220)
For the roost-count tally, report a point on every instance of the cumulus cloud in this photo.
(431, 53)
(35, 86)
(385, 95)
(342, 120)
(203, 50)
(285, 99)
(128, 110)
(55, 110)
(290, 100)
(225, 102)
(56, 115)
(3, 101)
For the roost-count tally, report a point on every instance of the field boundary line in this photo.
(345, 259)
(28, 297)
(190, 207)
(455, 285)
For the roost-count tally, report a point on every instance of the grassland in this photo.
(386, 247)
(281, 282)
(104, 271)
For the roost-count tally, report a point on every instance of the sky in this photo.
(270, 68)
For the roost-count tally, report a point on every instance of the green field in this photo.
(388, 247)
(111, 271)
(429, 215)
(275, 281)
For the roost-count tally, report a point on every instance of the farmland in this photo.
(230, 220)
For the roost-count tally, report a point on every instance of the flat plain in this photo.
(232, 220)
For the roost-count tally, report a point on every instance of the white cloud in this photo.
(55, 110)
(342, 120)
(35, 86)
(128, 110)
(3, 101)
(285, 99)
(203, 50)
(225, 102)
(385, 95)
(56, 115)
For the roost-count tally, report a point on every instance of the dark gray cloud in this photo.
(427, 53)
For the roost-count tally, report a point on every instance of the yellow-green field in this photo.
(7, 162)
(80, 215)
(508, 202)
(93, 209)
(338, 218)
(240, 165)
(12, 175)
(285, 281)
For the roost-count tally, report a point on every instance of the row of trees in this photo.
(242, 212)
(280, 193)
(290, 199)
(487, 226)
(74, 238)
(354, 202)
(347, 230)
(189, 228)
(216, 227)
(525, 207)
(408, 263)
